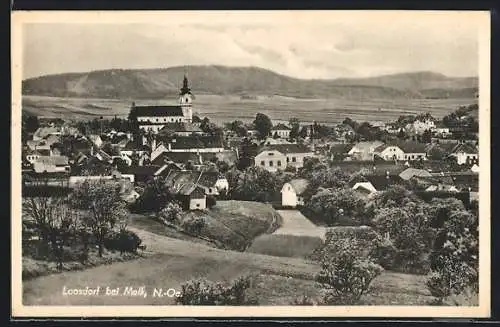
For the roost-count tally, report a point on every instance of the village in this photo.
(194, 155)
(278, 189)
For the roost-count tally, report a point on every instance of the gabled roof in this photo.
(189, 188)
(280, 126)
(409, 173)
(179, 127)
(286, 148)
(365, 185)
(43, 132)
(341, 147)
(53, 160)
(410, 146)
(208, 179)
(367, 146)
(159, 111)
(177, 157)
(149, 170)
(382, 182)
(299, 185)
(466, 148)
(135, 146)
(177, 179)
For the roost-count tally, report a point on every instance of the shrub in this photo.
(170, 214)
(204, 292)
(193, 225)
(384, 254)
(452, 278)
(347, 275)
(123, 241)
(304, 300)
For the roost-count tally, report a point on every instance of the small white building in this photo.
(389, 152)
(51, 164)
(291, 193)
(281, 130)
(365, 188)
(280, 156)
(271, 160)
(475, 168)
(465, 153)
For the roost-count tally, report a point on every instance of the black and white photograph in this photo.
(251, 163)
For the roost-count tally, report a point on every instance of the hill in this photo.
(247, 81)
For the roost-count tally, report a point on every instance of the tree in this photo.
(30, 123)
(53, 220)
(334, 204)
(295, 125)
(347, 275)
(253, 184)
(263, 125)
(171, 213)
(105, 208)
(409, 228)
(120, 164)
(427, 136)
(238, 127)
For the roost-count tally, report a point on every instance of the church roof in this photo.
(159, 111)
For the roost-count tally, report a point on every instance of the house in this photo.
(344, 131)
(213, 183)
(280, 156)
(142, 174)
(32, 156)
(382, 182)
(340, 151)
(180, 129)
(475, 168)
(442, 131)
(103, 156)
(419, 126)
(180, 158)
(465, 153)
(409, 173)
(43, 132)
(192, 197)
(413, 150)
(273, 141)
(291, 193)
(365, 189)
(154, 118)
(364, 150)
(389, 152)
(95, 139)
(51, 164)
(281, 130)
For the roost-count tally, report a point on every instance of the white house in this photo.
(291, 193)
(365, 188)
(364, 150)
(420, 126)
(271, 160)
(389, 152)
(281, 156)
(442, 131)
(465, 153)
(51, 164)
(281, 130)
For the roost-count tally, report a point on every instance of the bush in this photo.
(384, 254)
(304, 300)
(347, 275)
(193, 225)
(204, 292)
(123, 241)
(170, 214)
(452, 278)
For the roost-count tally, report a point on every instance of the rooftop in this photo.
(159, 111)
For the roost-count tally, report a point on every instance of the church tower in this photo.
(186, 99)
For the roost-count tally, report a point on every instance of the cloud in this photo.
(347, 46)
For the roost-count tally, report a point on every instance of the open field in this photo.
(292, 246)
(227, 108)
(276, 280)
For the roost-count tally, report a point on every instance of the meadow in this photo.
(227, 108)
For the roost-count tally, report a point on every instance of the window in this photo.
(157, 119)
(198, 205)
(262, 163)
(271, 153)
(287, 159)
(209, 190)
(294, 159)
(270, 163)
(279, 163)
(412, 156)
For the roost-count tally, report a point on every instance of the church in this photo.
(154, 118)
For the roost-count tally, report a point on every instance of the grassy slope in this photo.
(236, 223)
(173, 261)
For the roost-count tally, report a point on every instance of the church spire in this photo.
(185, 85)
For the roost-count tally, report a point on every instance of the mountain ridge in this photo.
(224, 80)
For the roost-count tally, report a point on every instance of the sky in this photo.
(311, 46)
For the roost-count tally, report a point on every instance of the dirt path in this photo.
(295, 223)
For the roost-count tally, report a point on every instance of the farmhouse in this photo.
(409, 173)
(154, 118)
(213, 183)
(281, 130)
(51, 164)
(389, 152)
(465, 154)
(280, 156)
(291, 193)
(192, 197)
(364, 150)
